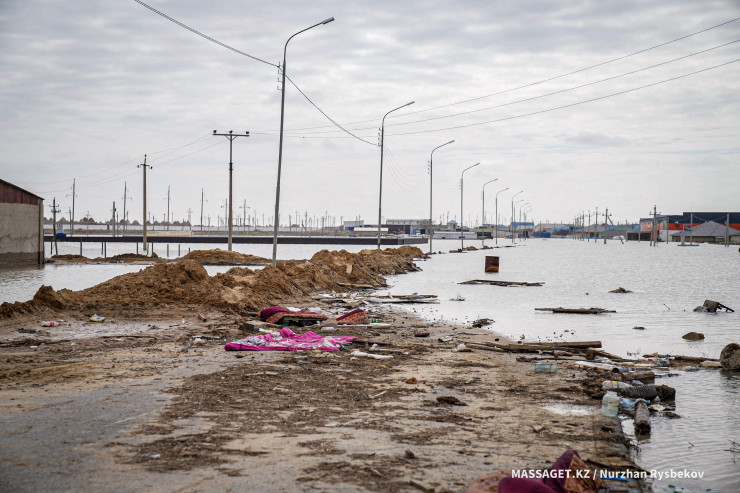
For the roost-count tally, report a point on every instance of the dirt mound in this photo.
(184, 282)
(122, 258)
(68, 259)
(129, 257)
(45, 297)
(223, 257)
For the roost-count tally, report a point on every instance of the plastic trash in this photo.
(613, 384)
(368, 355)
(51, 323)
(97, 318)
(627, 404)
(545, 367)
(647, 392)
(610, 405)
(154, 456)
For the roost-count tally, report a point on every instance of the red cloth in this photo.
(356, 316)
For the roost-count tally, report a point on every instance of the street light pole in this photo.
(382, 137)
(483, 215)
(431, 158)
(512, 214)
(280, 151)
(462, 233)
(497, 211)
(231, 136)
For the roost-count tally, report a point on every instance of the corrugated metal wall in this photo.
(10, 194)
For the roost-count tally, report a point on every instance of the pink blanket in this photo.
(287, 340)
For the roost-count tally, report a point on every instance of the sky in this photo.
(549, 97)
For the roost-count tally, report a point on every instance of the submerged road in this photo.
(285, 240)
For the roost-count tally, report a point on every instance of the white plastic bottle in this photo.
(610, 405)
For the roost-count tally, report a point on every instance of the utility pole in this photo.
(113, 220)
(190, 212)
(596, 224)
(72, 214)
(606, 219)
(167, 221)
(231, 136)
(588, 233)
(54, 211)
(125, 197)
(144, 166)
(201, 209)
(244, 208)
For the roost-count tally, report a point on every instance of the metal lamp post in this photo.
(380, 193)
(280, 151)
(512, 214)
(462, 233)
(483, 215)
(431, 157)
(503, 189)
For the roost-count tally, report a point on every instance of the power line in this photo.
(578, 103)
(542, 95)
(544, 80)
(201, 34)
(327, 116)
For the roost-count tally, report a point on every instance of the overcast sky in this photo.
(89, 87)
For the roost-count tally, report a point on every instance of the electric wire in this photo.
(543, 80)
(201, 34)
(577, 103)
(327, 116)
(561, 91)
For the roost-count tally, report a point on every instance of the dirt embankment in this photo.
(224, 257)
(240, 289)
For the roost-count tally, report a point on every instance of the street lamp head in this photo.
(327, 21)
(214, 132)
(409, 104)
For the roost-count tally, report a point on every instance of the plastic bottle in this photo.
(610, 405)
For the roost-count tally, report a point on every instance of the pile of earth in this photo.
(186, 283)
(224, 257)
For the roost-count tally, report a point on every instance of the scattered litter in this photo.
(412, 381)
(481, 322)
(368, 355)
(198, 340)
(376, 395)
(287, 340)
(445, 339)
(281, 389)
(503, 283)
(576, 310)
(421, 333)
(457, 298)
(620, 290)
(710, 306)
(154, 456)
(97, 318)
(545, 367)
(51, 323)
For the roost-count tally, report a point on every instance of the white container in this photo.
(610, 405)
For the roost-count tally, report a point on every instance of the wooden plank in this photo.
(576, 310)
(502, 283)
(642, 418)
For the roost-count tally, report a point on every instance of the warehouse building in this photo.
(21, 226)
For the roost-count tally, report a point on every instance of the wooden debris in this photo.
(730, 357)
(538, 346)
(576, 310)
(642, 418)
(620, 290)
(502, 283)
(592, 353)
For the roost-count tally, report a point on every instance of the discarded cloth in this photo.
(287, 340)
(275, 314)
(355, 317)
(569, 474)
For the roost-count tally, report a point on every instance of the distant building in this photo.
(21, 226)
(708, 232)
(668, 223)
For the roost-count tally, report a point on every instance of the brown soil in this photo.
(285, 421)
(224, 257)
(186, 283)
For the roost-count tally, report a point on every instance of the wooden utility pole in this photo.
(144, 166)
(54, 211)
(125, 198)
(202, 199)
(113, 220)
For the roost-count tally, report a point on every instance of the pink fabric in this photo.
(287, 340)
(268, 312)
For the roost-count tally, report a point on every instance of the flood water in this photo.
(667, 281)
